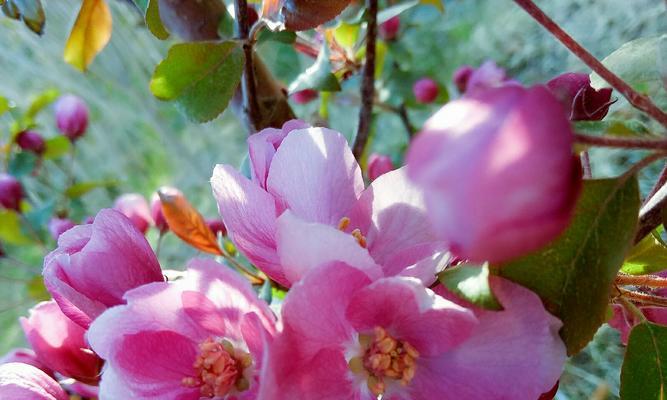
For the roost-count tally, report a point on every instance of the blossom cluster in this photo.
(491, 177)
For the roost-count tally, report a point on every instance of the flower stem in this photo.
(621, 142)
(642, 280)
(643, 298)
(249, 86)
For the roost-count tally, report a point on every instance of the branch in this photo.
(638, 100)
(644, 298)
(642, 280)
(621, 142)
(249, 86)
(368, 84)
(650, 215)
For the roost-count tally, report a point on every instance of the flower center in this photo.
(342, 226)
(219, 369)
(384, 359)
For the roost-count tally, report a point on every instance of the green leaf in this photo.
(266, 35)
(644, 372)
(10, 228)
(40, 102)
(153, 21)
(318, 76)
(56, 147)
(391, 12)
(636, 62)
(574, 274)
(82, 188)
(616, 127)
(39, 217)
(347, 35)
(30, 11)
(4, 105)
(647, 257)
(471, 283)
(36, 289)
(142, 5)
(22, 164)
(201, 77)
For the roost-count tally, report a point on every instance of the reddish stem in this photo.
(621, 142)
(638, 100)
(642, 280)
(249, 86)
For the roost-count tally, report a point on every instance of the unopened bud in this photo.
(425, 90)
(31, 141)
(71, 116)
(11, 192)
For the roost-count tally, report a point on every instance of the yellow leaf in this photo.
(90, 33)
(435, 3)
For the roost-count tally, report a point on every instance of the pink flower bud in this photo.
(580, 100)
(31, 141)
(20, 381)
(389, 29)
(11, 192)
(304, 96)
(71, 116)
(252, 16)
(135, 207)
(378, 164)
(58, 226)
(498, 172)
(59, 343)
(487, 76)
(425, 90)
(157, 215)
(462, 76)
(217, 226)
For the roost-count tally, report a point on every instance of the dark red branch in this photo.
(638, 100)
(621, 142)
(249, 86)
(368, 83)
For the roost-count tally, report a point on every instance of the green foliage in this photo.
(153, 21)
(471, 283)
(10, 228)
(79, 189)
(644, 373)
(56, 147)
(201, 77)
(318, 76)
(574, 274)
(30, 11)
(40, 102)
(647, 257)
(22, 164)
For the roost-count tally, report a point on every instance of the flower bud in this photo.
(20, 381)
(425, 90)
(217, 226)
(378, 164)
(11, 192)
(253, 17)
(462, 76)
(304, 96)
(71, 116)
(135, 207)
(31, 141)
(498, 173)
(157, 215)
(388, 30)
(58, 226)
(580, 100)
(487, 76)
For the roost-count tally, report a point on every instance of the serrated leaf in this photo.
(644, 371)
(574, 274)
(647, 257)
(153, 21)
(90, 34)
(471, 283)
(10, 228)
(22, 164)
(56, 147)
(187, 223)
(40, 102)
(318, 76)
(201, 77)
(79, 189)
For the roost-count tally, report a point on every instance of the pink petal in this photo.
(24, 382)
(315, 175)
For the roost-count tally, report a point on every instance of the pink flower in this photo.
(389, 29)
(216, 226)
(624, 320)
(11, 192)
(498, 172)
(346, 337)
(25, 356)
(24, 382)
(425, 90)
(71, 116)
(486, 76)
(58, 226)
(135, 207)
(200, 337)
(312, 173)
(580, 100)
(157, 215)
(305, 96)
(59, 343)
(31, 141)
(94, 265)
(378, 164)
(461, 77)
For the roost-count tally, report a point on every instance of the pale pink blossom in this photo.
(25, 356)
(24, 382)
(135, 207)
(58, 226)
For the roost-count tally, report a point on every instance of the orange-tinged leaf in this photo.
(186, 222)
(90, 34)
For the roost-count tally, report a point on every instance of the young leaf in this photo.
(318, 76)
(40, 102)
(56, 147)
(201, 77)
(186, 222)
(647, 257)
(644, 372)
(471, 283)
(90, 34)
(574, 274)
(153, 21)
(301, 15)
(79, 189)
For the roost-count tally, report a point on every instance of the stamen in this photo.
(361, 239)
(344, 223)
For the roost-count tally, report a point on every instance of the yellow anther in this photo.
(343, 223)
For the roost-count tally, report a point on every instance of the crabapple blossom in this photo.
(461, 77)
(378, 164)
(58, 226)
(135, 207)
(25, 356)
(580, 100)
(20, 381)
(389, 29)
(157, 215)
(305, 96)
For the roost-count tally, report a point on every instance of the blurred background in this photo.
(143, 143)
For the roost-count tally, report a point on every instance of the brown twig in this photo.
(403, 114)
(642, 280)
(368, 84)
(644, 299)
(638, 100)
(249, 86)
(621, 142)
(586, 165)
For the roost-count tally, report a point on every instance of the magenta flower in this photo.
(312, 173)
(58, 226)
(25, 356)
(498, 172)
(378, 164)
(135, 207)
(11, 192)
(71, 116)
(388, 30)
(580, 100)
(59, 343)
(486, 76)
(425, 90)
(395, 338)
(24, 382)
(94, 265)
(200, 337)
